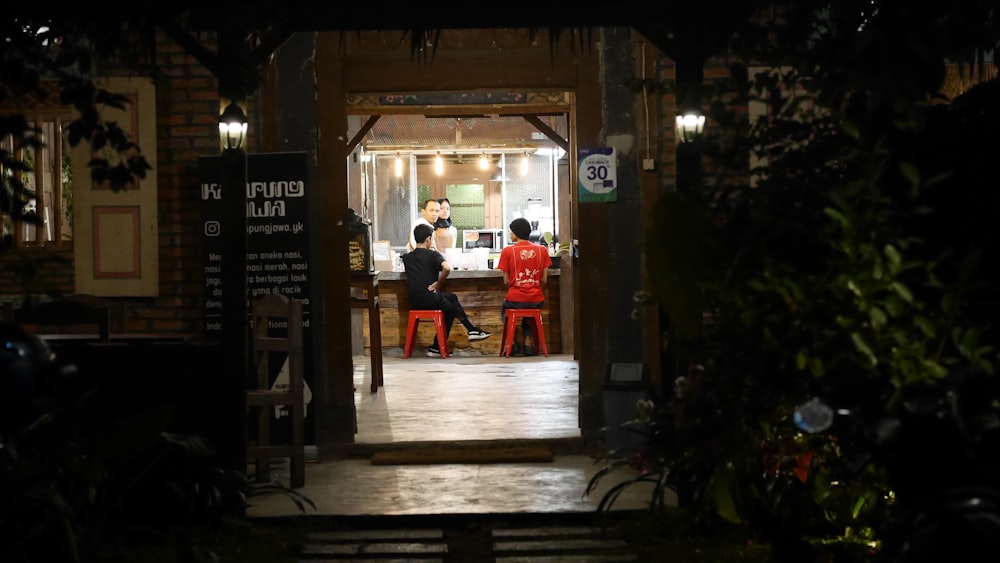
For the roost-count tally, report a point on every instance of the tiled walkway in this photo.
(460, 399)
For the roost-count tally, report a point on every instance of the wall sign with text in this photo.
(277, 250)
(597, 176)
(277, 233)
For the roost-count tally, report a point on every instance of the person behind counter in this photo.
(428, 216)
(525, 267)
(445, 234)
(426, 270)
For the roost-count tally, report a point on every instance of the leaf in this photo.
(925, 325)
(863, 347)
(902, 291)
(858, 505)
(850, 129)
(911, 173)
(854, 288)
(968, 341)
(878, 317)
(894, 305)
(721, 489)
(837, 216)
(892, 253)
(950, 303)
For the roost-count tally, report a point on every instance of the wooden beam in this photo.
(270, 42)
(364, 131)
(190, 44)
(548, 131)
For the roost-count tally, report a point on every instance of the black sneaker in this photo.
(433, 352)
(478, 334)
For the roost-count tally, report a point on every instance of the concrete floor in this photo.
(467, 399)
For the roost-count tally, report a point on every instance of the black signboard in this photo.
(277, 239)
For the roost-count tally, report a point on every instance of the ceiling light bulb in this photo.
(524, 164)
(484, 163)
(399, 166)
(438, 164)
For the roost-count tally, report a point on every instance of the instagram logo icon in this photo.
(213, 228)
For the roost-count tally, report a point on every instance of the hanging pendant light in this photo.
(399, 166)
(438, 164)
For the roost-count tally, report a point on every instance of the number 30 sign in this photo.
(597, 179)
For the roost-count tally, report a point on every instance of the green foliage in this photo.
(88, 473)
(67, 190)
(851, 264)
(42, 56)
(15, 197)
(669, 536)
(42, 51)
(265, 541)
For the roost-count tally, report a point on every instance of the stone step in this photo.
(469, 539)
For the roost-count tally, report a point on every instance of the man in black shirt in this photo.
(426, 271)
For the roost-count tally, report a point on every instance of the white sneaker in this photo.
(433, 352)
(478, 334)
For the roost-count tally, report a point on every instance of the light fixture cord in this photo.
(645, 100)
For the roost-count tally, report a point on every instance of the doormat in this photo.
(431, 456)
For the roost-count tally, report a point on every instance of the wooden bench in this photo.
(66, 315)
(76, 313)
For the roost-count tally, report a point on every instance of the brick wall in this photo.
(187, 101)
(716, 77)
(55, 268)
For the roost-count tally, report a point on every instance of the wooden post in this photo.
(235, 310)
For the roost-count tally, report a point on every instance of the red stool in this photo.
(411, 330)
(513, 317)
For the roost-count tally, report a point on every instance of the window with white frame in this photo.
(45, 171)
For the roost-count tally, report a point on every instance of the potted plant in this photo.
(556, 249)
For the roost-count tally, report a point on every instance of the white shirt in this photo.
(413, 242)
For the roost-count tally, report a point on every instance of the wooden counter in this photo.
(480, 292)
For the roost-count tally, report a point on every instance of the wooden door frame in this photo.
(567, 81)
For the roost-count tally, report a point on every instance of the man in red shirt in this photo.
(525, 267)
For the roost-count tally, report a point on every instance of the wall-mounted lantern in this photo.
(690, 126)
(232, 127)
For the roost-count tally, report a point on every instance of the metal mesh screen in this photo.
(395, 201)
(423, 194)
(530, 195)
